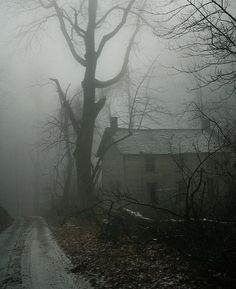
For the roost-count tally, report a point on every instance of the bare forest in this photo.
(118, 144)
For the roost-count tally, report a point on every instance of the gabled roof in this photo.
(158, 141)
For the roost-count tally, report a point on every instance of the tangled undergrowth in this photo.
(126, 264)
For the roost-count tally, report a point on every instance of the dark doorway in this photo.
(152, 192)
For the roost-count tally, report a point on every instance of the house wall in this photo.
(136, 176)
(113, 170)
(128, 174)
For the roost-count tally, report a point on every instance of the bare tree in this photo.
(221, 133)
(60, 136)
(205, 33)
(81, 26)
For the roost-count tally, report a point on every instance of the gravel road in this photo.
(31, 259)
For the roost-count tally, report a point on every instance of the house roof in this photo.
(158, 141)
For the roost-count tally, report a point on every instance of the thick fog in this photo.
(28, 98)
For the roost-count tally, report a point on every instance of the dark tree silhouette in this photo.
(205, 33)
(81, 27)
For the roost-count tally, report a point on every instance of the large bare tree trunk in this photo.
(91, 107)
(85, 138)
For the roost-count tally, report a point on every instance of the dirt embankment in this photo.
(128, 265)
(5, 219)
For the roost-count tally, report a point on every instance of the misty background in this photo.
(28, 98)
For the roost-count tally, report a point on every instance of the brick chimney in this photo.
(114, 123)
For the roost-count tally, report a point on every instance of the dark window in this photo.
(150, 163)
(210, 186)
(151, 190)
(181, 192)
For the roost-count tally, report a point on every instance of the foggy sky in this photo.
(28, 98)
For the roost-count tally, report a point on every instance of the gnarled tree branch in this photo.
(67, 105)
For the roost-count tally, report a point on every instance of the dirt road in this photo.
(31, 259)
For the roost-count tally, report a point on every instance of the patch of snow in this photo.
(137, 214)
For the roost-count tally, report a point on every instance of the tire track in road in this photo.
(31, 259)
(8, 240)
(44, 265)
(12, 277)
